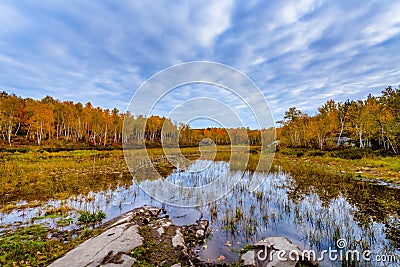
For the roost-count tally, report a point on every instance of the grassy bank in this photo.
(362, 163)
(41, 175)
(31, 246)
(44, 175)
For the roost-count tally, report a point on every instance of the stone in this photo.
(119, 240)
(178, 240)
(203, 224)
(279, 243)
(126, 261)
(200, 233)
(160, 230)
(166, 224)
(120, 236)
(248, 258)
(123, 219)
(154, 211)
(266, 254)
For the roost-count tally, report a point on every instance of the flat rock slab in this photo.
(265, 253)
(145, 233)
(111, 248)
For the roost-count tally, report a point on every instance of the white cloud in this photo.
(301, 53)
(292, 11)
(384, 26)
(214, 20)
(10, 19)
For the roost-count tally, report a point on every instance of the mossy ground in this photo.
(361, 163)
(31, 246)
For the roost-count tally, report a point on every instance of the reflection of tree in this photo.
(393, 231)
(375, 203)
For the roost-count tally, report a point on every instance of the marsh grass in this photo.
(30, 246)
(40, 176)
(362, 162)
(299, 192)
(91, 218)
(330, 182)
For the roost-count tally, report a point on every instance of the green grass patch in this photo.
(91, 218)
(41, 176)
(31, 246)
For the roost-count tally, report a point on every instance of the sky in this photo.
(299, 53)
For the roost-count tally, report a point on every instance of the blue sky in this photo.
(300, 53)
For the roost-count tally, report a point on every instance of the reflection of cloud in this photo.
(300, 53)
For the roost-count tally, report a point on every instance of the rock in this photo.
(154, 211)
(279, 243)
(160, 230)
(200, 233)
(124, 261)
(248, 258)
(198, 230)
(120, 241)
(109, 248)
(166, 224)
(203, 224)
(122, 219)
(276, 252)
(178, 240)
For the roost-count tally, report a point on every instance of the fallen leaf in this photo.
(221, 258)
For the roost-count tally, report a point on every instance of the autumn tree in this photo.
(326, 123)
(293, 126)
(11, 113)
(40, 121)
(343, 116)
(390, 123)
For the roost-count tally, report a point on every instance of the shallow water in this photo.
(310, 214)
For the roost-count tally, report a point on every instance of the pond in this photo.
(311, 209)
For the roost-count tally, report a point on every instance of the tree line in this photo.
(49, 119)
(373, 122)
(26, 121)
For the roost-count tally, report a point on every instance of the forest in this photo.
(370, 123)
(50, 122)
(373, 122)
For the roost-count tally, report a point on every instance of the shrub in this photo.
(88, 218)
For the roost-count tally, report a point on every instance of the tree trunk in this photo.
(9, 134)
(341, 132)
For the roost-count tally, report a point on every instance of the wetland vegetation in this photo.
(334, 175)
(301, 198)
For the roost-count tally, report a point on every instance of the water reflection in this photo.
(313, 213)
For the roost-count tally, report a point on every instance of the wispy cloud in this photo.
(300, 53)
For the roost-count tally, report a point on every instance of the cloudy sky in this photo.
(299, 53)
